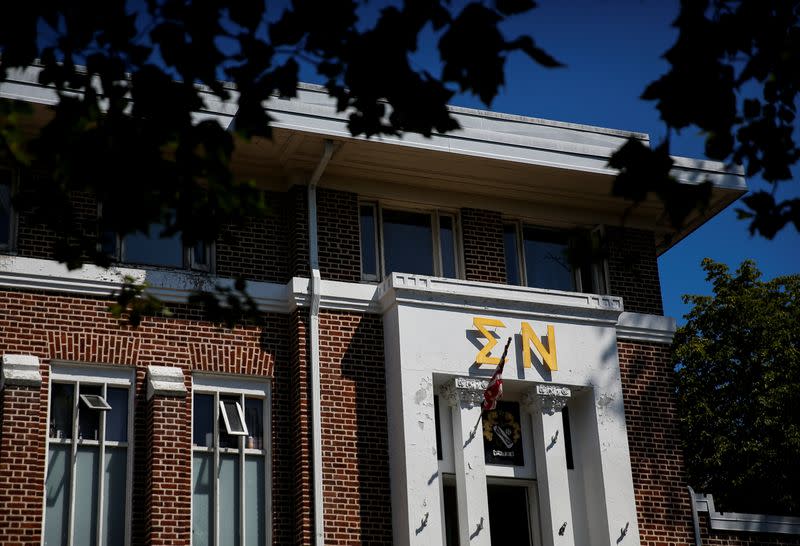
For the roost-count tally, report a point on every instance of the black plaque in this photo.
(502, 435)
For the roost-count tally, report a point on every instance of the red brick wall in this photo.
(484, 255)
(21, 465)
(355, 454)
(168, 492)
(34, 240)
(633, 269)
(297, 221)
(338, 229)
(299, 404)
(258, 249)
(80, 329)
(659, 478)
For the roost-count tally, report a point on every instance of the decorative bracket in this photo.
(466, 390)
(20, 371)
(546, 398)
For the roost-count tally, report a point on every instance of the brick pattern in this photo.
(257, 249)
(21, 465)
(299, 403)
(484, 255)
(338, 229)
(633, 269)
(297, 230)
(168, 492)
(355, 454)
(659, 477)
(34, 240)
(80, 329)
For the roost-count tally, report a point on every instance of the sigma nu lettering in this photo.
(529, 337)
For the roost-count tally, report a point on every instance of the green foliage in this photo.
(733, 75)
(738, 370)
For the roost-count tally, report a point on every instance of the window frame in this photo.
(599, 271)
(188, 261)
(62, 372)
(10, 246)
(435, 215)
(216, 385)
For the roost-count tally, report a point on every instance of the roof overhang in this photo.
(547, 172)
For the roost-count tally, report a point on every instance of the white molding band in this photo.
(176, 286)
(20, 371)
(165, 381)
(649, 328)
(735, 521)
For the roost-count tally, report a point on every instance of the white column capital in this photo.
(546, 398)
(466, 390)
(165, 381)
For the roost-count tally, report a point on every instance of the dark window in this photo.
(423, 243)
(152, 249)
(512, 254)
(407, 242)
(546, 264)
(450, 515)
(6, 214)
(369, 246)
(203, 420)
(447, 246)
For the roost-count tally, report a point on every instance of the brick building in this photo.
(389, 277)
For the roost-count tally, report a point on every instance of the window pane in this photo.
(447, 242)
(508, 515)
(117, 417)
(114, 495)
(512, 254)
(407, 242)
(108, 243)
(202, 507)
(253, 415)
(84, 529)
(88, 419)
(369, 262)
(203, 420)
(546, 260)
(230, 406)
(56, 518)
(5, 207)
(153, 250)
(229, 500)
(254, 501)
(61, 402)
(450, 516)
(200, 254)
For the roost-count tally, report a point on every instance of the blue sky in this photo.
(612, 49)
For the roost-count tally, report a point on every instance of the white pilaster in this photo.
(465, 395)
(545, 403)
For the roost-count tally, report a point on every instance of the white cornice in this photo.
(434, 292)
(649, 328)
(418, 290)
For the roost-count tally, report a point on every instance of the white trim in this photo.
(649, 328)
(749, 523)
(165, 381)
(20, 370)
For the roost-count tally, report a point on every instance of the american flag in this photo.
(494, 390)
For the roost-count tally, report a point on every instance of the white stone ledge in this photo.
(749, 523)
(165, 381)
(21, 371)
(418, 290)
(643, 327)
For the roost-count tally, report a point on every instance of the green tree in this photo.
(738, 370)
